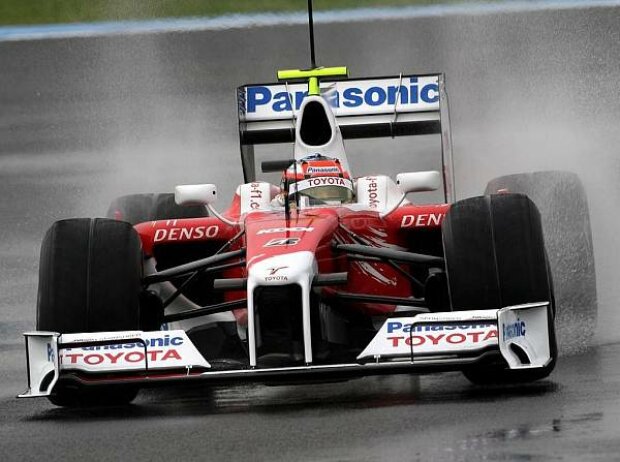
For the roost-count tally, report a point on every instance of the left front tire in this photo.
(90, 281)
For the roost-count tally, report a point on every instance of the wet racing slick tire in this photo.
(495, 257)
(563, 205)
(139, 208)
(90, 281)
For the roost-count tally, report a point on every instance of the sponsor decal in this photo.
(334, 169)
(286, 241)
(412, 91)
(50, 353)
(295, 229)
(256, 194)
(373, 202)
(404, 336)
(439, 334)
(163, 341)
(119, 357)
(153, 350)
(192, 233)
(397, 326)
(321, 181)
(439, 339)
(273, 276)
(422, 220)
(276, 278)
(433, 335)
(125, 351)
(514, 330)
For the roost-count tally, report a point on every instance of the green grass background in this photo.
(70, 11)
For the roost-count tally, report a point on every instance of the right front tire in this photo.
(495, 257)
(90, 281)
(563, 204)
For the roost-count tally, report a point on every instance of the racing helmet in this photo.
(318, 180)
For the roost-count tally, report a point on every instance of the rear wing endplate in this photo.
(364, 108)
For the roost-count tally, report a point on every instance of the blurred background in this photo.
(71, 11)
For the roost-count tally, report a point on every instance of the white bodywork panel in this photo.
(297, 268)
(195, 194)
(436, 333)
(42, 355)
(521, 333)
(130, 351)
(379, 193)
(526, 327)
(256, 196)
(334, 148)
(50, 352)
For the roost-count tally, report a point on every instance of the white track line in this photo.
(238, 21)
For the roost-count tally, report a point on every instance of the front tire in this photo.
(495, 257)
(561, 199)
(90, 281)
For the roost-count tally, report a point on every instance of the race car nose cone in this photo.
(290, 268)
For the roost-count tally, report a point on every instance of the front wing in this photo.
(416, 344)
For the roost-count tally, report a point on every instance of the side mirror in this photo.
(195, 194)
(418, 181)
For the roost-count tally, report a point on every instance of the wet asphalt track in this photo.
(84, 120)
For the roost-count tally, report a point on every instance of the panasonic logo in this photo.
(409, 92)
(514, 330)
(323, 170)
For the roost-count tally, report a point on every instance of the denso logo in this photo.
(193, 233)
(422, 220)
(351, 97)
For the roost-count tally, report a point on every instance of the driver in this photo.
(318, 180)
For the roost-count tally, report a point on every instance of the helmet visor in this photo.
(328, 190)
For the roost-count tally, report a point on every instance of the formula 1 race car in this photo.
(323, 277)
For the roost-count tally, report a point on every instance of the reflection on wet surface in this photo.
(367, 393)
(524, 432)
(438, 417)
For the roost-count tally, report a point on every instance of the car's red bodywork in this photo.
(314, 230)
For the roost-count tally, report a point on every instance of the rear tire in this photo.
(563, 205)
(140, 208)
(90, 281)
(495, 257)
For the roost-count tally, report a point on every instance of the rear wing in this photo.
(364, 108)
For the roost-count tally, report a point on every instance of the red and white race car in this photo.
(324, 276)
